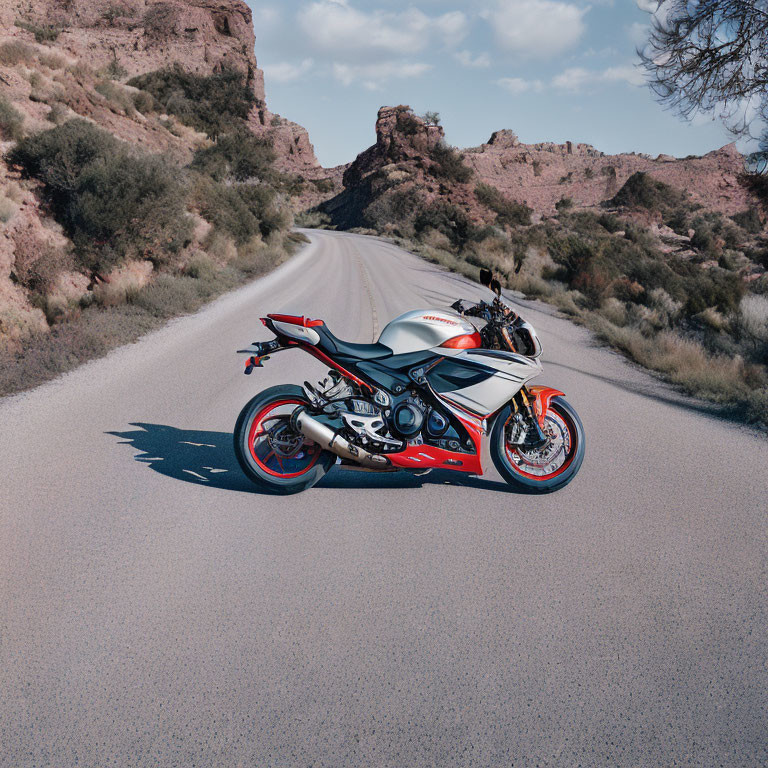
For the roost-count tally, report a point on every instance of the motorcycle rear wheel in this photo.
(272, 454)
(550, 468)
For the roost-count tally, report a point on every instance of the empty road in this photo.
(156, 611)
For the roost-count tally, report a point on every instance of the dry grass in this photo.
(720, 379)
(97, 329)
(13, 52)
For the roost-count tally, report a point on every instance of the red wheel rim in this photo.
(568, 444)
(273, 452)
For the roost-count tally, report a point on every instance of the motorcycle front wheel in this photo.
(549, 468)
(273, 455)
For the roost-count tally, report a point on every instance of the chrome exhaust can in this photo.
(330, 440)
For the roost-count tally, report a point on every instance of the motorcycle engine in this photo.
(412, 416)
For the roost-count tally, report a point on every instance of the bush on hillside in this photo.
(444, 217)
(110, 202)
(749, 220)
(44, 33)
(449, 165)
(13, 52)
(643, 191)
(239, 155)
(11, 121)
(508, 212)
(214, 103)
(393, 210)
(241, 211)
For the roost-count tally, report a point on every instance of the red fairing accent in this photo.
(541, 400)
(304, 322)
(428, 457)
(465, 341)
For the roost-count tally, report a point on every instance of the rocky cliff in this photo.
(64, 59)
(542, 174)
(132, 37)
(538, 175)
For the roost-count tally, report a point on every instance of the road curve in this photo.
(156, 611)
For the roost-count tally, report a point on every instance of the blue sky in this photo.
(551, 70)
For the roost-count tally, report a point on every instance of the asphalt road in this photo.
(156, 611)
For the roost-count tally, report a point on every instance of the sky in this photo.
(550, 70)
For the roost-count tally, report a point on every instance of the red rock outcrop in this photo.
(137, 36)
(542, 174)
(539, 175)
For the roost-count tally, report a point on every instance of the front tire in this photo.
(550, 468)
(272, 454)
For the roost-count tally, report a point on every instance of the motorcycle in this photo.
(439, 390)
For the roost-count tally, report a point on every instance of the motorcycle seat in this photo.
(348, 349)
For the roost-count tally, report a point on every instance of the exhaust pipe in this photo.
(332, 441)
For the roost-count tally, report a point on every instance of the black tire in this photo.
(257, 471)
(510, 471)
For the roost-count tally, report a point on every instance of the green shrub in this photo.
(444, 217)
(508, 212)
(407, 123)
(757, 184)
(160, 20)
(239, 155)
(749, 220)
(323, 185)
(642, 191)
(13, 52)
(44, 33)
(242, 211)
(564, 204)
(214, 103)
(11, 121)
(116, 96)
(448, 165)
(144, 102)
(713, 288)
(111, 203)
(611, 223)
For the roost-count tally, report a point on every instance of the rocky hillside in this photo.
(63, 60)
(542, 174)
(536, 175)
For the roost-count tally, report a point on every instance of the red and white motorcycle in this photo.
(439, 390)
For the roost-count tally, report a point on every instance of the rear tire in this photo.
(553, 467)
(271, 453)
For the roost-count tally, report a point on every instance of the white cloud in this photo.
(466, 59)
(627, 74)
(578, 78)
(452, 27)
(337, 28)
(573, 79)
(639, 33)
(649, 6)
(517, 85)
(536, 28)
(373, 76)
(286, 71)
(264, 17)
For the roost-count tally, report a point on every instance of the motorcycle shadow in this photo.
(208, 458)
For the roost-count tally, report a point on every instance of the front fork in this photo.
(533, 403)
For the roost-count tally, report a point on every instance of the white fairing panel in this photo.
(423, 329)
(297, 332)
(486, 397)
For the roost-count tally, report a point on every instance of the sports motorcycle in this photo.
(439, 390)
